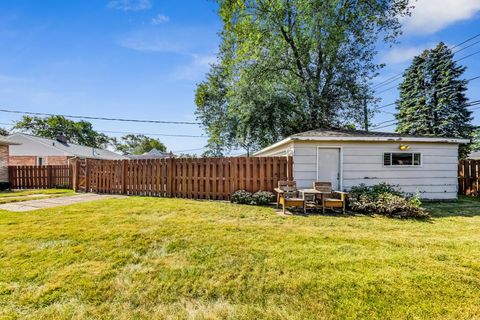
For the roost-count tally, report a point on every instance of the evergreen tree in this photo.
(432, 97)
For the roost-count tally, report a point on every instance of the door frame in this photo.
(340, 163)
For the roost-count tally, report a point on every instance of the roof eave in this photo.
(382, 139)
(275, 145)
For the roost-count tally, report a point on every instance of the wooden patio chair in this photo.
(329, 198)
(289, 196)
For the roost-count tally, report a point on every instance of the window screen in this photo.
(401, 159)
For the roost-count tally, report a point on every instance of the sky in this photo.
(142, 59)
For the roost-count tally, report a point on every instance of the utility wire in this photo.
(385, 106)
(468, 80)
(97, 118)
(129, 132)
(468, 40)
(469, 46)
(379, 125)
(381, 84)
(188, 150)
(472, 54)
(154, 134)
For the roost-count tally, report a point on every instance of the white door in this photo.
(328, 166)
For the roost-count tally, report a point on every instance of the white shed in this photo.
(346, 158)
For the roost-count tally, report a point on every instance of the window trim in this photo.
(402, 165)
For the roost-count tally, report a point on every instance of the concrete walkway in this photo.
(55, 202)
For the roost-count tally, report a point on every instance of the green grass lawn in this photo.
(165, 258)
(23, 195)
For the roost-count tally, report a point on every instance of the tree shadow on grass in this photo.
(463, 207)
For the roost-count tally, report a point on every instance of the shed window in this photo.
(401, 159)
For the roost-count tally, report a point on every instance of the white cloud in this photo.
(197, 68)
(148, 41)
(400, 55)
(430, 16)
(129, 5)
(165, 39)
(160, 18)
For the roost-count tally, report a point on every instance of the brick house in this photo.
(32, 150)
(4, 152)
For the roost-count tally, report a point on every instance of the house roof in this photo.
(152, 154)
(359, 135)
(475, 155)
(67, 149)
(5, 142)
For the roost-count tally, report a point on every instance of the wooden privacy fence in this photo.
(40, 177)
(468, 177)
(200, 178)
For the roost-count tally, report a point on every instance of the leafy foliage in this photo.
(4, 132)
(258, 198)
(80, 132)
(262, 197)
(386, 200)
(138, 144)
(432, 97)
(475, 145)
(241, 197)
(287, 66)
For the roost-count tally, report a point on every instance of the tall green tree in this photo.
(138, 144)
(80, 132)
(292, 65)
(432, 97)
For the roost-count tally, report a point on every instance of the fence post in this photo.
(49, 176)
(124, 176)
(74, 175)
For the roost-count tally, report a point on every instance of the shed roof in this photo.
(68, 148)
(152, 154)
(5, 142)
(360, 135)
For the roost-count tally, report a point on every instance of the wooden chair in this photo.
(289, 196)
(329, 198)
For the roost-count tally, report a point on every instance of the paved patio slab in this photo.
(30, 205)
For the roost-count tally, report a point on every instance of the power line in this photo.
(468, 80)
(198, 149)
(154, 134)
(385, 106)
(383, 83)
(472, 54)
(379, 125)
(386, 126)
(468, 40)
(395, 86)
(469, 46)
(97, 118)
(142, 133)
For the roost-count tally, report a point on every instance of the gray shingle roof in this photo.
(5, 142)
(352, 133)
(71, 149)
(152, 154)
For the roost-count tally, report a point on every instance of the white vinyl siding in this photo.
(435, 178)
(280, 151)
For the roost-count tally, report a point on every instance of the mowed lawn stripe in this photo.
(151, 257)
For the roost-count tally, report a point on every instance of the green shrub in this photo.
(262, 197)
(386, 200)
(242, 197)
